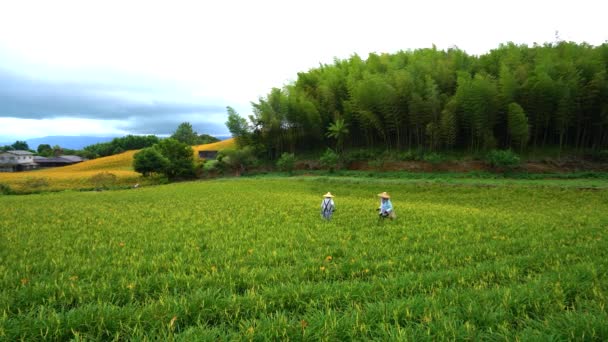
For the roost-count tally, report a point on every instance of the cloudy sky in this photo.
(142, 67)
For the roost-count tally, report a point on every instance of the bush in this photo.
(406, 156)
(330, 160)
(180, 157)
(5, 189)
(35, 183)
(211, 166)
(103, 180)
(416, 155)
(359, 155)
(148, 161)
(287, 162)
(504, 159)
(433, 158)
(377, 164)
(237, 159)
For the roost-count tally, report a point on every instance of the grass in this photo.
(592, 180)
(250, 259)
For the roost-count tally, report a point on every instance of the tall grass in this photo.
(251, 259)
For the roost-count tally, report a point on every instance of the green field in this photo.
(250, 259)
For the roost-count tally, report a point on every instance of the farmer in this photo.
(327, 206)
(386, 207)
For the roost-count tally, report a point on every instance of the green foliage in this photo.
(437, 100)
(149, 160)
(45, 150)
(119, 145)
(58, 150)
(238, 127)
(433, 158)
(448, 128)
(185, 134)
(361, 154)
(35, 183)
(338, 130)
(211, 166)
(238, 160)
(287, 162)
(104, 180)
(206, 139)
(518, 125)
(250, 259)
(20, 145)
(377, 163)
(504, 159)
(180, 157)
(411, 155)
(5, 189)
(330, 160)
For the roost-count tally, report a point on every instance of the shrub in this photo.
(359, 155)
(330, 160)
(377, 164)
(148, 161)
(406, 156)
(433, 158)
(237, 159)
(411, 155)
(287, 162)
(211, 166)
(505, 159)
(35, 183)
(180, 156)
(5, 189)
(104, 180)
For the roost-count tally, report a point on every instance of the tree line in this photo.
(515, 96)
(44, 150)
(184, 133)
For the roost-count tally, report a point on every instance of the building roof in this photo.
(20, 152)
(60, 159)
(44, 160)
(74, 159)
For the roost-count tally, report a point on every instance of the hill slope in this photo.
(79, 176)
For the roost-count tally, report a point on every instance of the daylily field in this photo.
(250, 259)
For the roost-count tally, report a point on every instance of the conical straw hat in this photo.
(328, 195)
(384, 195)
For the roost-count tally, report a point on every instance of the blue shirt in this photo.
(386, 206)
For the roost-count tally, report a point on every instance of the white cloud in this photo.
(232, 52)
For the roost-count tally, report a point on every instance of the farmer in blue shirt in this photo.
(386, 207)
(327, 206)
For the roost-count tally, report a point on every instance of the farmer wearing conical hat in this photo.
(386, 207)
(327, 206)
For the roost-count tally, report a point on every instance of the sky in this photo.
(105, 68)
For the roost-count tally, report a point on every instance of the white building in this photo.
(11, 161)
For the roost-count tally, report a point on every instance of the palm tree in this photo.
(338, 130)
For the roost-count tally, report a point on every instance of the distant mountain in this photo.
(223, 137)
(71, 142)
